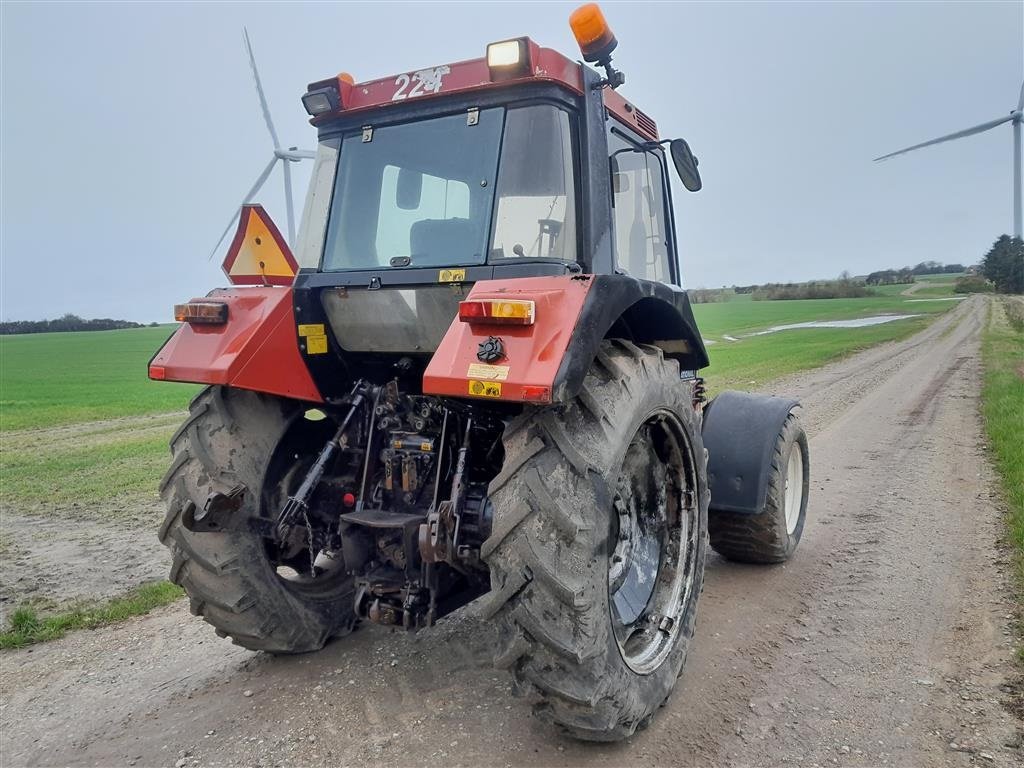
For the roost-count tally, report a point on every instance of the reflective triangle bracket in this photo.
(259, 255)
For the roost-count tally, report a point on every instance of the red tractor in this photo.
(480, 382)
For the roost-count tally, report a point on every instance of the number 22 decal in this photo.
(422, 82)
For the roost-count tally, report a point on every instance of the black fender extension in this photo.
(740, 431)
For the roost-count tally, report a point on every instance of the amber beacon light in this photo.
(592, 32)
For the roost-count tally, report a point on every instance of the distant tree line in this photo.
(843, 288)
(1004, 264)
(707, 295)
(66, 323)
(909, 274)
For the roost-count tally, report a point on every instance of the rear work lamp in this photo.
(321, 101)
(508, 59)
(202, 312)
(498, 311)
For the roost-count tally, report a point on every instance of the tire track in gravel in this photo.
(883, 642)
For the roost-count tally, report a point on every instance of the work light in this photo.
(321, 100)
(508, 59)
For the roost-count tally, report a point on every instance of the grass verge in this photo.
(27, 627)
(1003, 407)
(68, 476)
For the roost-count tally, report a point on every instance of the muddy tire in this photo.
(772, 536)
(231, 581)
(573, 479)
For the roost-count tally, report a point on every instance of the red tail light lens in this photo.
(498, 311)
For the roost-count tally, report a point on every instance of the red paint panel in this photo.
(256, 349)
(533, 353)
(546, 65)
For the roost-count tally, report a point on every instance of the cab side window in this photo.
(638, 197)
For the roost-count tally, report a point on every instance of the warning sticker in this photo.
(484, 388)
(490, 372)
(316, 345)
(451, 275)
(316, 329)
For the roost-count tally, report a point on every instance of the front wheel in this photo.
(598, 545)
(773, 535)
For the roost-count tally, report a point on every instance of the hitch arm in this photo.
(298, 503)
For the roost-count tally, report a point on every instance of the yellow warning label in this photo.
(484, 388)
(489, 372)
(312, 330)
(426, 447)
(451, 275)
(316, 345)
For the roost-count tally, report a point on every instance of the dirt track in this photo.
(886, 641)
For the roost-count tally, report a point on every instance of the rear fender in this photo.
(739, 433)
(257, 348)
(547, 361)
(533, 353)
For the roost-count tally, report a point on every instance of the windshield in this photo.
(422, 194)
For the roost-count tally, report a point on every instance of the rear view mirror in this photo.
(686, 165)
(409, 189)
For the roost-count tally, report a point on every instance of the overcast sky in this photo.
(130, 131)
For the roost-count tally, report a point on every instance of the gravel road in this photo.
(886, 641)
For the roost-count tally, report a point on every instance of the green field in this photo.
(49, 379)
(756, 360)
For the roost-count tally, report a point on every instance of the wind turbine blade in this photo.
(1020, 101)
(248, 196)
(288, 202)
(958, 135)
(259, 90)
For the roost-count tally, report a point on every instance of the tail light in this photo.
(498, 311)
(202, 312)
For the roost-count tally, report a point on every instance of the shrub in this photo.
(972, 284)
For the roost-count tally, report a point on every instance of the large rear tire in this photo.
(598, 545)
(231, 577)
(773, 535)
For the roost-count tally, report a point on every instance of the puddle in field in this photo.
(860, 322)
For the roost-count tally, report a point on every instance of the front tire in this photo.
(598, 545)
(231, 577)
(773, 535)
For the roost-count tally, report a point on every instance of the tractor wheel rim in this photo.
(652, 567)
(794, 493)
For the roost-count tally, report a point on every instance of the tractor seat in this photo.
(440, 242)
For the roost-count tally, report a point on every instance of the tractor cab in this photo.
(521, 163)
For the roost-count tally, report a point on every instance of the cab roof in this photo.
(541, 65)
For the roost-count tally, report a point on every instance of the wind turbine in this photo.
(285, 156)
(1017, 118)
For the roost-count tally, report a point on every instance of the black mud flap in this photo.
(739, 432)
